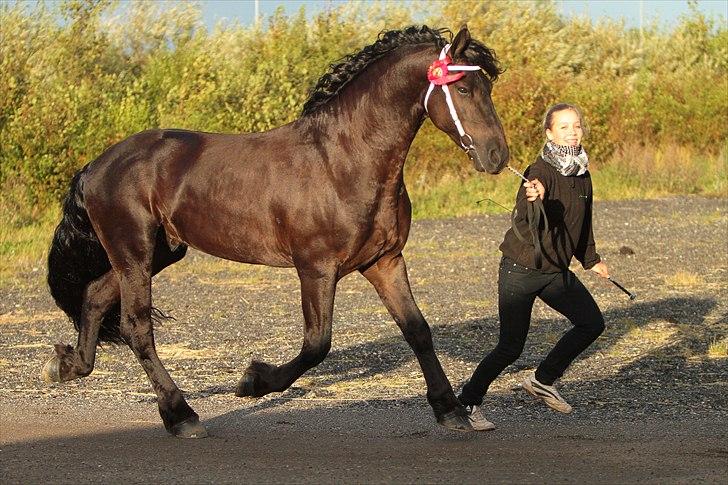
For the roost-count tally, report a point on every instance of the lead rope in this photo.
(534, 213)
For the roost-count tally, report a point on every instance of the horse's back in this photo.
(129, 171)
(268, 198)
(205, 189)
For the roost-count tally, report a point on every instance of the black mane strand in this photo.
(341, 73)
(478, 54)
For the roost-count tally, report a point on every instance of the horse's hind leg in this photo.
(133, 265)
(100, 296)
(389, 277)
(317, 297)
(136, 327)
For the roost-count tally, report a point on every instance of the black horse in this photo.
(324, 194)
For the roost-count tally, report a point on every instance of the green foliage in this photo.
(79, 78)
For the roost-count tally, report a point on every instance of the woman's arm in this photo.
(526, 191)
(586, 251)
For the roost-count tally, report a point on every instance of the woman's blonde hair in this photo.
(548, 119)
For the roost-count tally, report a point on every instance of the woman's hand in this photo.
(601, 269)
(534, 190)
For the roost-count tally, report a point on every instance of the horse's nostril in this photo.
(498, 156)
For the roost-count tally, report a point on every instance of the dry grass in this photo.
(250, 283)
(250, 274)
(718, 348)
(634, 344)
(631, 172)
(371, 310)
(640, 341)
(454, 250)
(21, 317)
(480, 304)
(183, 352)
(684, 279)
(377, 381)
(23, 248)
(35, 345)
(714, 218)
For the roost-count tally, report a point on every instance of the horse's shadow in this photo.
(471, 339)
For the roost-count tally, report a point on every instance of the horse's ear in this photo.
(460, 43)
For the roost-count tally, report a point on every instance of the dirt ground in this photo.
(650, 396)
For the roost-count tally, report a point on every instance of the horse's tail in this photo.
(75, 259)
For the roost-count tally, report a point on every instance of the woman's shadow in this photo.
(469, 340)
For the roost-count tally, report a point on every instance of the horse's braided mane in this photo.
(351, 65)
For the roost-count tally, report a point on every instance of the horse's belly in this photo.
(251, 246)
(379, 243)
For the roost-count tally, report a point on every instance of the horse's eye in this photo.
(463, 90)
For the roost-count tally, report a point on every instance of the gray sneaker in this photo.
(477, 420)
(548, 394)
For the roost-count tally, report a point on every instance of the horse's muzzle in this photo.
(492, 161)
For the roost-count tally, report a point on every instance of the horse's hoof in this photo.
(189, 429)
(455, 421)
(52, 370)
(246, 386)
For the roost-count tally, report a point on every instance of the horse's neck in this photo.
(378, 114)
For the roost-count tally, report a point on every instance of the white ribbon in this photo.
(448, 97)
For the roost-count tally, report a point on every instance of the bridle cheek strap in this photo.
(441, 73)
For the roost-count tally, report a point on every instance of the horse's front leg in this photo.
(317, 297)
(389, 277)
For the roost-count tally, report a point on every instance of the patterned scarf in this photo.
(566, 160)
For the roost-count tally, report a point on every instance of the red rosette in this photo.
(439, 74)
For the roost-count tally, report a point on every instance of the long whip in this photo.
(632, 296)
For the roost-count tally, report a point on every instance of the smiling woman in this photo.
(540, 269)
(565, 127)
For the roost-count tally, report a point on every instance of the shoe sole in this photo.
(488, 428)
(529, 389)
(455, 422)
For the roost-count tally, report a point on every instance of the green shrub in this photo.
(72, 88)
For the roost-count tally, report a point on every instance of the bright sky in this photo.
(666, 12)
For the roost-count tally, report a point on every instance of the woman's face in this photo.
(565, 128)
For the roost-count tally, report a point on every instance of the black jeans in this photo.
(518, 288)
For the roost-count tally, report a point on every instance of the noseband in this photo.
(441, 73)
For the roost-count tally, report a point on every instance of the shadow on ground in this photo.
(612, 382)
(373, 443)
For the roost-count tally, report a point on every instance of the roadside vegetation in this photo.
(79, 75)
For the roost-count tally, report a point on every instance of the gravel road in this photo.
(650, 396)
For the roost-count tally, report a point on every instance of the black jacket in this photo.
(568, 205)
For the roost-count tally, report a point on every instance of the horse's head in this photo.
(468, 117)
